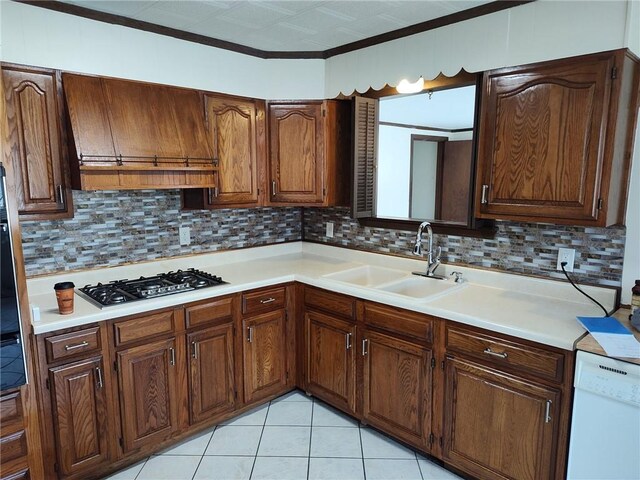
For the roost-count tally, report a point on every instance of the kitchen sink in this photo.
(420, 287)
(367, 276)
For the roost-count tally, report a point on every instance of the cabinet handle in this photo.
(348, 340)
(365, 346)
(484, 198)
(99, 373)
(268, 300)
(210, 192)
(273, 188)
(547, 412)
(172, 353)
(488, 351)
(77, 345)
(194, 350)
(60, 195)
(250, 337)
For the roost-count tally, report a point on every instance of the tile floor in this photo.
(294, 437)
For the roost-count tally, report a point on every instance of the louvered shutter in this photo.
(365, 147)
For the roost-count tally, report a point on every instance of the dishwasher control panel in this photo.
(607, 377)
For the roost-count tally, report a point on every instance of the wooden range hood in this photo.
(135, 135)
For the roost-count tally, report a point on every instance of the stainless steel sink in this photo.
(420, 287)
(368, 276)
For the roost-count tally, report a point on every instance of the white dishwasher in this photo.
(605, 426)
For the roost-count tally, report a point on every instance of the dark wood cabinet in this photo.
(148, 393)
(309, 152)
(211, 372)
(79, 400)
(37, 142)
(555, 140)
(498, 425)
(264, 355)
(397, 387)
(331, 360)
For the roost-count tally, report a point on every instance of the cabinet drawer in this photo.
(506, 353)
(140, 328)
(212, 313)
(329, 302)
(73, 344)
(263, 300)
(13, 446)
(400, 321)
(10, 410)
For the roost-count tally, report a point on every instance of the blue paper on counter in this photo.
(603, 325)
(613, 337)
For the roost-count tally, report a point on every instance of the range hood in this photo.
(133, 135)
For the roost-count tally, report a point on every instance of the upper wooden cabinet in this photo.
(130, 135)
(33, 102)
(309, 153)
(556, 138)
(236, 130)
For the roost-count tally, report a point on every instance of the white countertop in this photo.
(535, 309)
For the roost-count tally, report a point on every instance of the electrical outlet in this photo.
(185, 235)
(566, 255)
(329, 230)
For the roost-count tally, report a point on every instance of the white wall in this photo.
(425, 168)
(36, 36)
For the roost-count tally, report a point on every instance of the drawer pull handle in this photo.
(348, 340)
(273, 188)
(547, 412)
(365, 346)
(484, 197)
(60, 191)
(99, 373)
(488, 351)
(78, 345)
(194, 350)
(268, 300)
(172, 353)
(250, 337)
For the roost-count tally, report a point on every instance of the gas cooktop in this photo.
(124, 291)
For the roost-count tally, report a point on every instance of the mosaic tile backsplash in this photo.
(117, 227)
(526, 248)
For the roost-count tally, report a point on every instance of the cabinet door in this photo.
(264, 355)
(296, 153)
(497, 425)
(78, 397)
(147, 376)
(397, 387)
(541, 142)
(331, 361)
(232, 130)
(211, 372)
(33, 113)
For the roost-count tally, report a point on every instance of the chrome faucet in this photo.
(433, 258)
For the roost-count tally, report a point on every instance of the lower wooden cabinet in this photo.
(211, 372)
(397, 387)
(498, 425)
(148, 394)
(331, 361)
(79, 402)
(264, 355)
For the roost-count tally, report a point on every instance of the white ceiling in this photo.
(452, 109)
(283, 25)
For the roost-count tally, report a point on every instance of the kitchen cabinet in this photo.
(79, 402)
(37, 142)
(555, 140)
(309, 153)
(236, 131)
(13, 445)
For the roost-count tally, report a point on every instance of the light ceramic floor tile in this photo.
(256, 416)
(295, 396)
(225, 468)
(431, 471)
(324, 416)
(336, 468)
(192, 446)
(235, 440)
(285, 442)
(129, 473)
(390, 469)
(290, 413)
(170, 467)
(335, 442)
(280, 468)
(376, 445)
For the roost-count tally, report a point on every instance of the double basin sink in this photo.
(396, 282)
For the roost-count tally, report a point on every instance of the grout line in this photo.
(419, 467)
(313, 406)
(145, 462)
(364, 470)
(260, 440)
(205, 451)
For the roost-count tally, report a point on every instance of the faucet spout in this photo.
(433, 258)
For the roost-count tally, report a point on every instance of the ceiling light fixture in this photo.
(405, 87)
